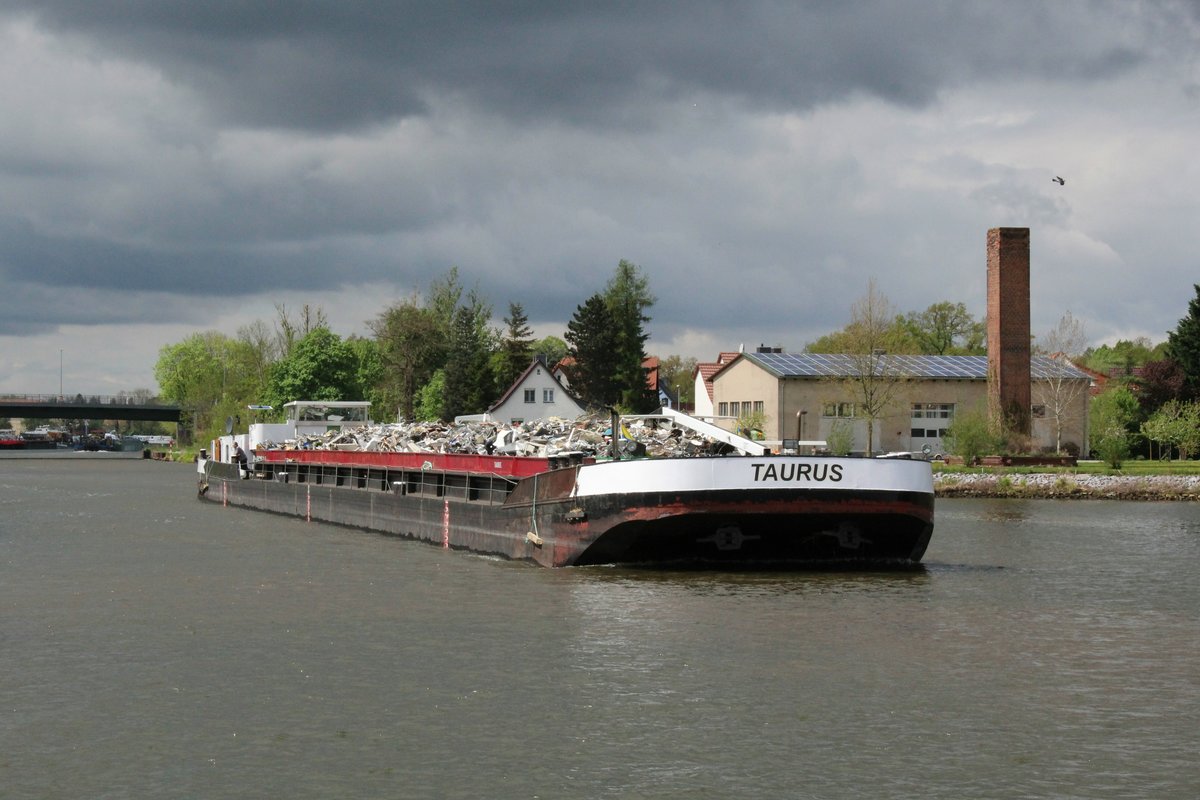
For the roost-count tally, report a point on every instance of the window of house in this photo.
(530, 396)
(547, 395)
(746, 405)
(723, 409)
(758, 407)
(843, 410)
(1038, 412)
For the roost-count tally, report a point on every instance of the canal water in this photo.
(155, 646)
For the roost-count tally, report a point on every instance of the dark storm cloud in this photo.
(163, 163)
(340, 65)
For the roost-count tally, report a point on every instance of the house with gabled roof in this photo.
(803, 395)
(702, 376)
(536, 394)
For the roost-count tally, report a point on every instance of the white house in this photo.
(537, 394)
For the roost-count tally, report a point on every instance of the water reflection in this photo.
(756, 583)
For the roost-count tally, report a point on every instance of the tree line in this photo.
(437, 355)
(431, 355)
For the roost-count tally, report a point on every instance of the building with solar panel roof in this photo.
(801, 396)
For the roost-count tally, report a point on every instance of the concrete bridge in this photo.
(54, 406)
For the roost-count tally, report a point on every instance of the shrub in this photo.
(970, 436)
(840, 439)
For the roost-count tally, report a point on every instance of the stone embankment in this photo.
(1067, 487)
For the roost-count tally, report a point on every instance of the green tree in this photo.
(321, 367)
(1111, 414)
(469, 384)
(840, 439)
(516, 347)
(946, 329)
(190, 372)
(970, 435)
(627, 297)
(369, 377)
(894, 338)
(552, 347)
(445, 296)
(202, 374)
(677, 372)
(1183, 346)
(409, 341)
(592, 340)
(1120, 359)
(431, 398)
(1175, 425)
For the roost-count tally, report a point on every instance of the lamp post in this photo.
(60, 396)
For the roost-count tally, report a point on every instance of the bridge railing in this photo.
(84, 399)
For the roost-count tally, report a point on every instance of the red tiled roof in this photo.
(706, 371)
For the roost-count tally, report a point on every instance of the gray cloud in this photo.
(332, 65)
(761, 161)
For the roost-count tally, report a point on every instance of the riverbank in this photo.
(1067, 486)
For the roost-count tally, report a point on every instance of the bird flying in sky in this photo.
(1059, 181)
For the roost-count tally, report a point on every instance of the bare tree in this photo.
(289, 331)
(876, 376)
(1060, 388)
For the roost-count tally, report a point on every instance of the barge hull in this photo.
(546, 522)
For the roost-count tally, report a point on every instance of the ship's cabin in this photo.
(318, 416)
(302, 418)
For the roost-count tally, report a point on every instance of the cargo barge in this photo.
(732, 511)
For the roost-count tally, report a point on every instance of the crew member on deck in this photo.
(239, 458)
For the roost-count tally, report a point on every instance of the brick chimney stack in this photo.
(1009, 353)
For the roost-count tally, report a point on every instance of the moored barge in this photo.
(730, 511)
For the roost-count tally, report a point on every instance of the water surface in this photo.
(155, 646)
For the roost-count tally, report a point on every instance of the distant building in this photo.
(537, 394)
(802, 395)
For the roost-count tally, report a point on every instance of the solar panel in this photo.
(839, 365)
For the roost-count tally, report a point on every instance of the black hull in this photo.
(542, 522)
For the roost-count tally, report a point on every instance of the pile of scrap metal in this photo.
(590, 435)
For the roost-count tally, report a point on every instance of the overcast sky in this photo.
(171, 167)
